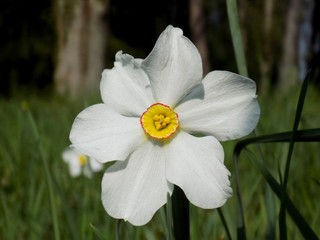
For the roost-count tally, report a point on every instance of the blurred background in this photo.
(52, 53)
(62, 46)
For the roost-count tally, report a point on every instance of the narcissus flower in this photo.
(162, 123)
(80, 163)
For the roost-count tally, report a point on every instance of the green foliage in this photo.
(25, 200)
(25, 209)
(269, 164)
(280, 189)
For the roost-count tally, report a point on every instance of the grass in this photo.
(26, 208)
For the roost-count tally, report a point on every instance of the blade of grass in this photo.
(270, 203)
(271, 215)
(235, 30)
(309, 135)
(69, 214)
(97, 232)
(48, 176)
(9, 220)
(298, 219)
(282, 215)
(236, 36)
(316, 181)
(35, 209)
(225, 225)
(241, 229)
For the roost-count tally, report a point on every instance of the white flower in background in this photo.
(80, 163)
(163, 124)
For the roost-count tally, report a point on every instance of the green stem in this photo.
(118, 229)
(169, 217)
(180, 210)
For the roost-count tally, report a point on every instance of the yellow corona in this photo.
(159, 121)
(83, 160)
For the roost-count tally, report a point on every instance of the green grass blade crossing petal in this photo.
(236, 36)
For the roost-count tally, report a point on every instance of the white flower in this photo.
(79, 163)
(163, 124)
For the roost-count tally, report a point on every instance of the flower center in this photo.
(159, 121)
(83, 160)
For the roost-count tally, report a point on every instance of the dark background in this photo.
(28, 44)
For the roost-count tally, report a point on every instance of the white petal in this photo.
(69, 154)
(126, 87)
(225, 106)
(105, 135)
(75, 168)
(135, 189)
(174, 66)
(196, 166)
(71, 157)
(95, 165)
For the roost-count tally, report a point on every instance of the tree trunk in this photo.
(288, 75)
(198, 33)
(81, 34)
(314, 51)
(266, 60)
(243, 18)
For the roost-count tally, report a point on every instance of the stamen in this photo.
(159, 121)
(83, 160)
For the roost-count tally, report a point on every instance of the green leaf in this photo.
(310, 135)
(48, 176)
(241, 229)
(97, 232)
(224, 222)
(242, 69)
(282, 215)
(236, 36)
(298, 219)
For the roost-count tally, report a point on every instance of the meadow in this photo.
(40, 200)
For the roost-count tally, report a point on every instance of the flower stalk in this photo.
(180, 210)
